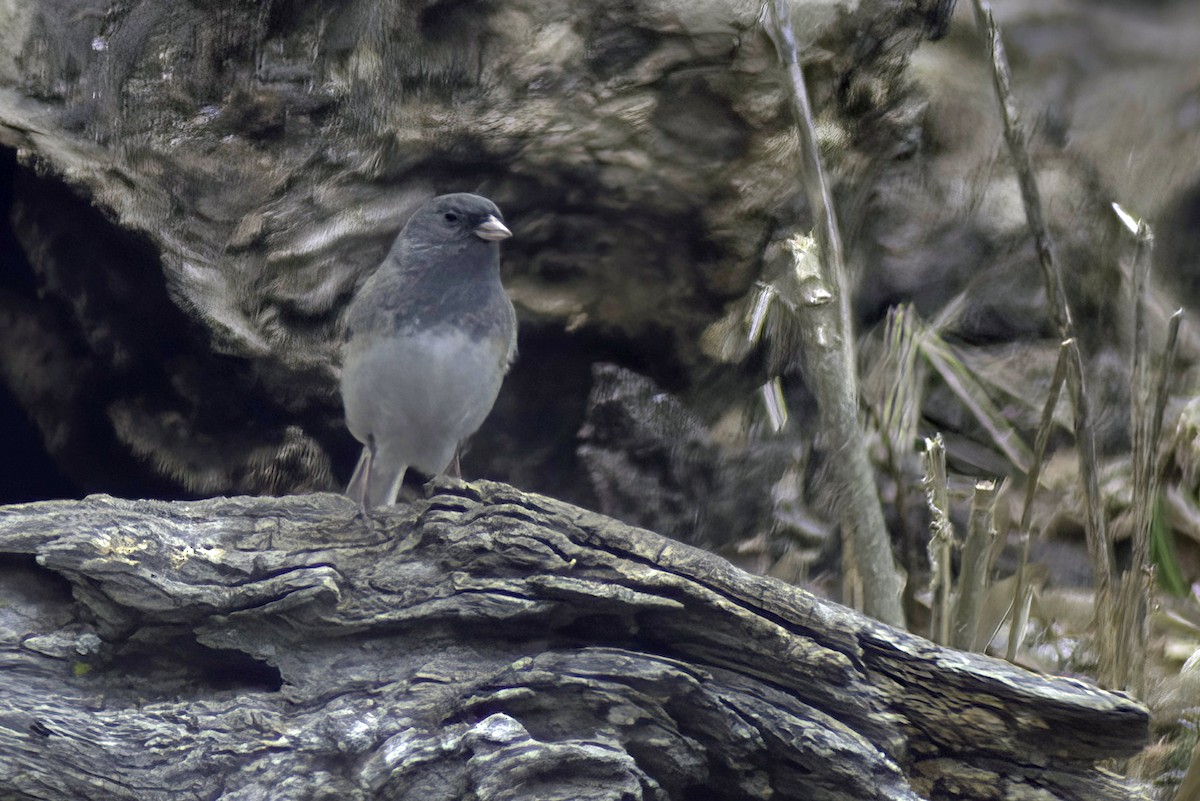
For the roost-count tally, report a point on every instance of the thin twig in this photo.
(1020, 603)
(1138, 582)
(1100, 549)
(1162, 390)
(1144, 443)
(829, 356)
(1134, 587)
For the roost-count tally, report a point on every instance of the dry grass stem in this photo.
(941, 539)
(967, 388)
(900, 409)
(973, 574)
(900, 382)
(1162, 389)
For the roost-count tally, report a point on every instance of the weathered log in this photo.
(485, 643)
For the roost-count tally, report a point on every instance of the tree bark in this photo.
(485, 643)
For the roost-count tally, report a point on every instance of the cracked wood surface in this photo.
(485, 643)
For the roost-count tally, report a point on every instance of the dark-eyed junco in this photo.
(430, 336)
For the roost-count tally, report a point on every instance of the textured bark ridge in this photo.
(485, 643)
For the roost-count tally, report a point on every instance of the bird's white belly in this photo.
(419, 396)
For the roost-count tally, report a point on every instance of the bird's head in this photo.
(458, 217)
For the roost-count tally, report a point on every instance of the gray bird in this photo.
(429, 338)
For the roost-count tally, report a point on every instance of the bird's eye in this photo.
(450, 217)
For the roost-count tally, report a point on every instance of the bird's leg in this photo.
(457, 466)
(366, 496)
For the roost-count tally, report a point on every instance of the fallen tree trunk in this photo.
(485, 643)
